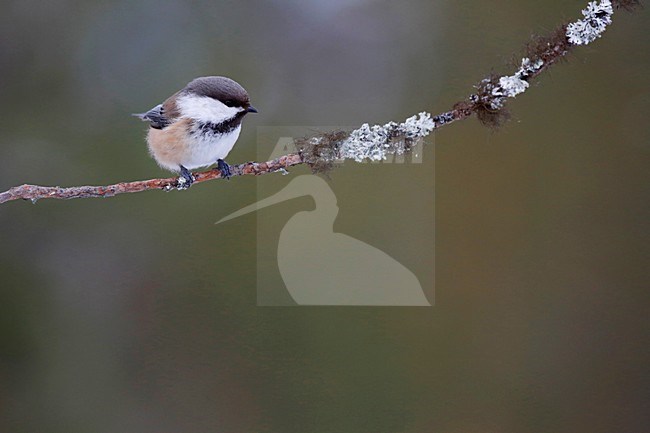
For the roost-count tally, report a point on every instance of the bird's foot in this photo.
(224, 169)
(185, 180)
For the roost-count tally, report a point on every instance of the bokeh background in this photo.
(138, 314)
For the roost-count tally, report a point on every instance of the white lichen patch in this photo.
(181, 183)
(510, 86)
(417, 126)
(366, 143)
(375, 142)
(597, 16)
(528, 67)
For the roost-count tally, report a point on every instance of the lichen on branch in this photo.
(324, 150)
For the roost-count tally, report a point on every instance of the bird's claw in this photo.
(224, 169)
(185, 180)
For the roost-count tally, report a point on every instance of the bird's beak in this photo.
(251, 109)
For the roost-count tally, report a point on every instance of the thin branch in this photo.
(322, 151)
(35, 192)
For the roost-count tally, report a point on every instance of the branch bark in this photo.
(36, 192)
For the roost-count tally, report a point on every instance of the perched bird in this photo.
(197, 126)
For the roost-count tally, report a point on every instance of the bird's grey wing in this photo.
(156, 117)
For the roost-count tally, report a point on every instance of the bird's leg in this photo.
(224, 168)
(185, 180)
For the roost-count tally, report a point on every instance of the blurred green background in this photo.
(138, 314)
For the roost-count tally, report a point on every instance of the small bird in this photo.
(197, 126)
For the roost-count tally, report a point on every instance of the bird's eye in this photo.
(229, 103)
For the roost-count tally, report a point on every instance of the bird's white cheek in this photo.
(205, 109)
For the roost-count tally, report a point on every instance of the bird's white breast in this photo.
(206, 149)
